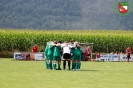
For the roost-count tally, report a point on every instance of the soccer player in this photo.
(50, 54)
(56, 54)
(128, 52)
(76, 56)
(66, 54)
(78, 59)
(34, 49)
(46, 54)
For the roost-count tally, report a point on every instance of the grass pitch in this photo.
(33, 74)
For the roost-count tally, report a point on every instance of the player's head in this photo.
(72, 41)
(129, 47)
(75, 43)
(66, 42)
(55, 42)
(88, 46)
(59, 41)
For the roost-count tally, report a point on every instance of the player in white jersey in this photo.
(66, 54)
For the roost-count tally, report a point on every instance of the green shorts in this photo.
(80, 57)
(56, 58)
(49, 57)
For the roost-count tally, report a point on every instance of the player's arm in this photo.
(72, 46)
(62, 45)
(78, 45)
(32, 49)
(58, 44)
(51, 45)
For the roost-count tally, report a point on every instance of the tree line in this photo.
(62, 14)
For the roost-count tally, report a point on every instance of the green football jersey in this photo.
(50, 49)
(75, 51)
(46, 51)
(78, 49)
(56, 50)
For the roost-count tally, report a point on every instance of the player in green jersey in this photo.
(76, 55)
(56, 54)
(50, 54)
(78, 65)
(45, 54)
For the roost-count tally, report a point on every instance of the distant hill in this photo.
(62, 14)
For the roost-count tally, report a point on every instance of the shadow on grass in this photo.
(74, 70)
(26, 60)
(87, 70)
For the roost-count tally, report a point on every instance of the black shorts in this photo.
(89, 54)
(128, 56)
(66, 56)
(61, 53)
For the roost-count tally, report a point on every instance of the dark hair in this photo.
(59, 41)
(72, 40)
(66, 41)
(55, 42)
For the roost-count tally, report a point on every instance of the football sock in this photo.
(58, 65)
(64, 64)
(73, 65)
(51, 66)
(79, 65)
(46, 64)
(69, 64)
(54, 65)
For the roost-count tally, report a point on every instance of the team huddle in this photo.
(69, 51)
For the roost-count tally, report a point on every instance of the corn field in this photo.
(104, 40)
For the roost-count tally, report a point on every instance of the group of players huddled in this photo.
(69, 51)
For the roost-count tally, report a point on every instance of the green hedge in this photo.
(104, 40)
